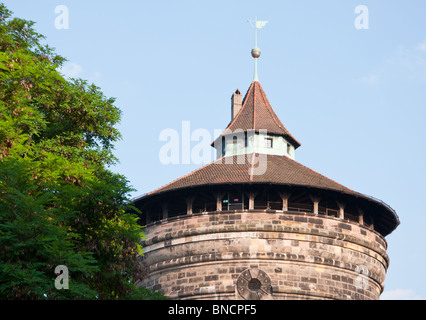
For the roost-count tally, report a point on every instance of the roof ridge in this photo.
(254, 105)
(269, 107)
(274, 116)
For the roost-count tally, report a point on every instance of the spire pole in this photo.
(255, 52)
(255, 77)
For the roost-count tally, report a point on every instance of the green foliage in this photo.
(33, 243)
(59, 204)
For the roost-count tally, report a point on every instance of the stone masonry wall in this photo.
(261, 255)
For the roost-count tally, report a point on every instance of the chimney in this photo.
(236, 103)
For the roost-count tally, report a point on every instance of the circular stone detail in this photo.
(254, 284)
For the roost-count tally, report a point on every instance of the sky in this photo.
(348, 82)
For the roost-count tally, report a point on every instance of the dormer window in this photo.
(288, 148)
(268, 142)
(235, 144)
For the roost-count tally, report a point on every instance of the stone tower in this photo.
(256, 224)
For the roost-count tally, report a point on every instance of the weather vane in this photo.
(255, 52)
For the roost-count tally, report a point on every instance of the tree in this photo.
(59, 203)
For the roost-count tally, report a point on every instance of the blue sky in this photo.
(355, 98)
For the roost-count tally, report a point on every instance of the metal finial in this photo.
(255, 52)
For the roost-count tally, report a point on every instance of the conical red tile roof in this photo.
(280, 170)
(257, 114)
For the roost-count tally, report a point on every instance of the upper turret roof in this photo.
(257, 114)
